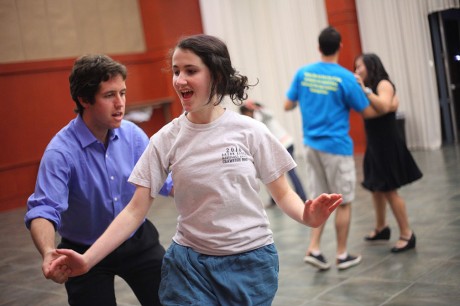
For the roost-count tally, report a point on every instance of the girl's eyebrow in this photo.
(187, 66)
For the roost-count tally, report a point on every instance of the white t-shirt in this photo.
(216, 169)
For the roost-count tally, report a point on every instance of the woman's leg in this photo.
(398, 207)
(380, 206)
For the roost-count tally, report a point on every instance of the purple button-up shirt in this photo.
(81, 185)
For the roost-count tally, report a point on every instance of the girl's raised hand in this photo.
(317, 211)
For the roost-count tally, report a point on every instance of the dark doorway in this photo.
(445, 35)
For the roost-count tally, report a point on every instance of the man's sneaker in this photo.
(317, 261)
(348, 262)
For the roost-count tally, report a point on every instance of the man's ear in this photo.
(83, 102)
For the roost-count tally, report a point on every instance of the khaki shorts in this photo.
(330, 173)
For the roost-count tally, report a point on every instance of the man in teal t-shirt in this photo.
(326, 92)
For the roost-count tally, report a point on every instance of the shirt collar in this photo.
(84, 135)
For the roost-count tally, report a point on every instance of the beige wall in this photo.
(50, 29)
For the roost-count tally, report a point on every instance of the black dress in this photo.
(387, 164)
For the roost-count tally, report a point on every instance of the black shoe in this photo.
(317, 261)
(410, 244)
(384, 234)
(348, 262)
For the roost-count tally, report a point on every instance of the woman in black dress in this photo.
(387, 164)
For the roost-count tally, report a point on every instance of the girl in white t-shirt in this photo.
(223, 251)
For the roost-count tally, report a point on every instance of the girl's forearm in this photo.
(121, 228)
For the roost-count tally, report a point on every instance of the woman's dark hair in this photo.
(375, 70)
(87, 74)
(214, 54)
(329, 41)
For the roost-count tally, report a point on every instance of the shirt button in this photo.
(115, 199)
(112, 178)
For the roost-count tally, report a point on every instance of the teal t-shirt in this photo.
(326, 92)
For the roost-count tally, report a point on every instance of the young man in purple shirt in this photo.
(82, 185)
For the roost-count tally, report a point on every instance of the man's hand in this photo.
(70, 263)
(60, 275)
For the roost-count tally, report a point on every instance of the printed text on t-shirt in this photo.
(320, 84)
(234, 154)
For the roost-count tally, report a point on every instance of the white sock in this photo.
(315, 252)
(342, 256)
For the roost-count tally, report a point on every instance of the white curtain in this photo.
(440, 5)
(398, 31)
(268, 41)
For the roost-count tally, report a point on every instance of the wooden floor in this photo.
(428, 275)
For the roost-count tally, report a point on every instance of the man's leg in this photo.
(141, 257)
(316, 184)
(295, 178)
(341, 174)
(93, 288)
(315, 239)
(342, 226)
